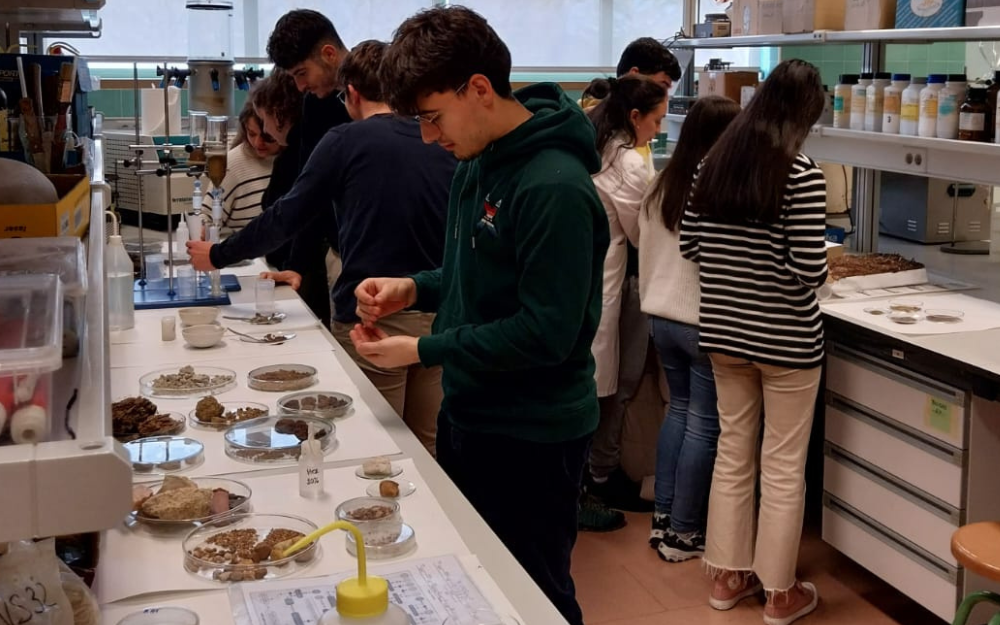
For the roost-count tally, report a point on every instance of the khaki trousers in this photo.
(414, 392)
(787, 397)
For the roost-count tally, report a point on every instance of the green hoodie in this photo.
(519, 294)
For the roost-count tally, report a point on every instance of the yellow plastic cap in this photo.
(363, 601)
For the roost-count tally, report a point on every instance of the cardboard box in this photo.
(757, 17)
(806, 16)
(982, 12)
(728, 84)
(870, 14)
(70, 216)
(930, 13)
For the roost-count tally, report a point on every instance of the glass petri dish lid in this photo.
(164, 454)
(276, 439)
(186, 504)
(188, 381)
(321, 404)
(941, 315)
(161, 616)
(282, 378)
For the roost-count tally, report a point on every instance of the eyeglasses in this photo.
(342, 96)
(432, 118)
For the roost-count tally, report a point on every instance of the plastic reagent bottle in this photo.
(950, 99)
(892, 104)
(910, 107)
(875, 101)
(929, 105)
(121, 282)
(842, 100)
(196, 226)
(859, 100)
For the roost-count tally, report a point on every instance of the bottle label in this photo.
(972, 121)
(858, 103)
(838, 104)
(910, 112)
(929, 108)
(947, 105)
(892, 103)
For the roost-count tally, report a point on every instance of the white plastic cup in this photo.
(185, 281)
(264, 294)
(168, 328)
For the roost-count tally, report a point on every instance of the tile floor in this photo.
(621, 581)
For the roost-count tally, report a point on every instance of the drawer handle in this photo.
(914, 552)
(897, 430)
(895, 485)
(899, 374)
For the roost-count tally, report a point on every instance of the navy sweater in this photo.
(389, 194)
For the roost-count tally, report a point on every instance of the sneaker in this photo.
(732, 587)
(661, 523)
(595, 516)
(783, 608)
(678, 548)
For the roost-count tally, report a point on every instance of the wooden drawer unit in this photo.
(908, 511)
(930, 407)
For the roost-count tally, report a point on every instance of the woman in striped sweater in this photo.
(755, 225)
(248, 171)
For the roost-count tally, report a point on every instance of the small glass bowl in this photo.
(320, 404)
(267, 439)
(164, 454)
(219, 380)
(906, 306)
(239, 501)
(941, 315)
(228, 407)
(405, 543)
(258, 379)
(377, 518)
(905, 318)
(250, 530)
(876, 311)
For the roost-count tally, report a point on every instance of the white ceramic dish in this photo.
(199, 315)
(203, 336)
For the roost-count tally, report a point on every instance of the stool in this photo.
(977, 547)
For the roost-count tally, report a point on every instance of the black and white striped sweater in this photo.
(758, 280)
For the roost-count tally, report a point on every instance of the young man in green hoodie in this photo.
(518, 297)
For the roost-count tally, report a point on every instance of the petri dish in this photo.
(941, 315)
(876, 311)
(905, 318)
(239, 501)
(406, 488)
(280, 378)
(906, 306)
(482, 616)
(321, 404)
(188, 381)
(232, 412)
(406, 543)
(237, 548)
(395, 470)
(276, 439)
(378, 519)
(161, 616)
(164, 454)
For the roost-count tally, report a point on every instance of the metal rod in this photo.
(138, 185)
(167, 186)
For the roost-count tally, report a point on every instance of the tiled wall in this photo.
(915, 59)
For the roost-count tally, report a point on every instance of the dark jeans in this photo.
(527, 493)
(685, 450)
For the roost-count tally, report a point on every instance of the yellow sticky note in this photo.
(937, 416)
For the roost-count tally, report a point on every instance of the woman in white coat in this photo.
(628, 117)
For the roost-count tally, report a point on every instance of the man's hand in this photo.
(199, 253)
(380, 297)
(383, 350)
(292, 278)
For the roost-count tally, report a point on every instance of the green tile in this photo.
(128, 102)
(919, 53)
(853, 53)
(105, 101)
(895, 53)
(940, 67)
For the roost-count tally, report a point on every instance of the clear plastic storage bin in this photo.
(31, 322)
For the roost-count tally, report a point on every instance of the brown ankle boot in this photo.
(731, 587)
(786, 607)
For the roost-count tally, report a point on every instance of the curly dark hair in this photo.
(649, 56)
(298, 35)
(278, 96)
(360, 69)
(438, 50)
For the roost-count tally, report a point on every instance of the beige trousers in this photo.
(414, 392)
(787, 397)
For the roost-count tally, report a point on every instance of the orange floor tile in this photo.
(621, 581)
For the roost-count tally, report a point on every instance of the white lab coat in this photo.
(621, 184)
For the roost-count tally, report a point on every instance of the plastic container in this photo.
(842, 100)
(320, 404)
(875, 101)
(377, 518)
(859, 101)
(910, 107)
(276, 440)
(239, 501)
(972, 116)
(223, 550)
(281, 378)
(31, 332)
(164, 454)
(927, 126)
(950, 99)
(65, 257)
(121, 285)
(892, 103)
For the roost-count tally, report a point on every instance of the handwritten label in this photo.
(938, 416)
(20, 608)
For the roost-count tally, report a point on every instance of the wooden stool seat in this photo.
(977, 547)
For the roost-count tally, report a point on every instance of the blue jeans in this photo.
(685, 450)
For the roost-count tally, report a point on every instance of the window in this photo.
(355, 21)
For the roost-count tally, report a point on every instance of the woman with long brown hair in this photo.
(248, 170)
(755, 224)
(669, 292)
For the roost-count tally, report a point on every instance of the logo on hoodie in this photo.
(489, 214)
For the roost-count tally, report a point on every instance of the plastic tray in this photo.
(341, 404)
(237, 489)
(227, 406)
(164, 454)
(201, 565)
(255, 381)
(258, 442)
(220, 381)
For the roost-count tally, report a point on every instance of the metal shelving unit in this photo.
(83, 485)
(869, 37)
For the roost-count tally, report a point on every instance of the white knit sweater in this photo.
(246, 180)
(668, 282)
